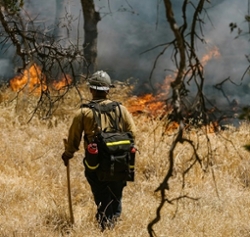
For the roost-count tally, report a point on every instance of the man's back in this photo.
(108, 194)
(113, 158)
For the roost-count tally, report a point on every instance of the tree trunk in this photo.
(59, 10)
(91, 18)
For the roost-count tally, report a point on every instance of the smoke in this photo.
(129, 29)
(232, 63)
(123, 36)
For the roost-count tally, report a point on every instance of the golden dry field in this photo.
(33, 180)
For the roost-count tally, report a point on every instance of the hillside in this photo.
(33, 179)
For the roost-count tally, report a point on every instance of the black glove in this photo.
(66, 158)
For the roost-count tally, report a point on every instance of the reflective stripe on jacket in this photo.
(84, 124)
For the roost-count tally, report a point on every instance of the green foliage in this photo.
(245, 114)
(13, 6)
(247, 147)
(233, 26)
(247, 18)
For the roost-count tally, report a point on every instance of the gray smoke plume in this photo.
(129, 28)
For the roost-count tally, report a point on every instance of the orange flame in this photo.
(212, 127)
(32, 79)
(62, 83)
(171, 127)
(152, 104)
(146, 104)
(214, 53)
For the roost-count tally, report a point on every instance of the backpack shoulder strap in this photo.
(99, 109)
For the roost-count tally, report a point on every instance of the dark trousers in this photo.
(107, 196)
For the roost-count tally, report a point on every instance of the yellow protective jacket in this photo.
(84, 124)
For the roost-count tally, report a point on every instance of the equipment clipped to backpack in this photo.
(114, 156)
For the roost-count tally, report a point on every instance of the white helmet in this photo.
(100, 80)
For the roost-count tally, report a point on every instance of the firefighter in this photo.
(107, 194)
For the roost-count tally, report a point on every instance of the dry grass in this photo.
(34, 187)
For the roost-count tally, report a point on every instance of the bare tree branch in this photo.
(35, 46)
(184, 52)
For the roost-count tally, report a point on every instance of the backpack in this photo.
(115, 151)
